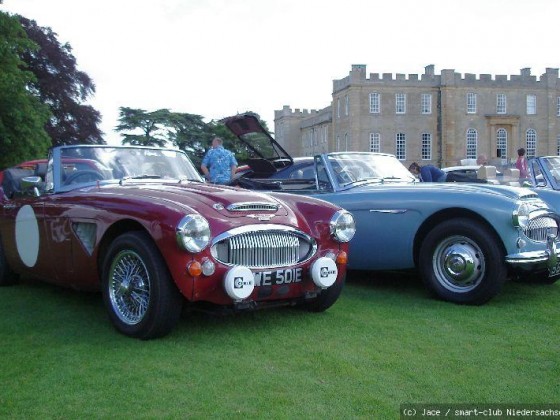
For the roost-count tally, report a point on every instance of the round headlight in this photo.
(343, 226)
(522, 214)
(193, 233)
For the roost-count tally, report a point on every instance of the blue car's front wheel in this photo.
(462, 261)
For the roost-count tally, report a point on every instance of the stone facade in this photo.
(432, 119)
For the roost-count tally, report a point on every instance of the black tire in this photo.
(7, 276)
(462, 261)
(140, 296)
(326, 298)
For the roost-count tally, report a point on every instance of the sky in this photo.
(216, 58)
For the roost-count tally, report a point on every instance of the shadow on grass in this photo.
(408, 286)
(397, 284)
(43, 310)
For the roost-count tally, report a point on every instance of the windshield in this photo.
(356, 167)
(71, 166)
(553, 166)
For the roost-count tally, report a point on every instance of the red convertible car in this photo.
(140, 225)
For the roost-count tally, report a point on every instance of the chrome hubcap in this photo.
(129, 287)
(459, 264)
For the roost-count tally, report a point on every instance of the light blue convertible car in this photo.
(466, 240)
(544, 177)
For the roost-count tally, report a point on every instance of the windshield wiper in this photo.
(366, 180)
(187, 179)
(145, 176)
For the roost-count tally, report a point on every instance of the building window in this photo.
(558, 145)
(472, 143)
(346, 106)
(471, 103)
(501, 103)
(400, 103)
(501, 143)
(558, 106)
(375, 103)
(338, 143)
(426, 146)
(401, 146)
(338, 108)
(345, 145)
(531, 104)
(531, 143)
(426, 103)
(375, 142)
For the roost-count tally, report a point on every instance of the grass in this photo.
(384, 343)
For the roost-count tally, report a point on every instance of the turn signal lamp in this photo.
(342, 258)
(194, 268)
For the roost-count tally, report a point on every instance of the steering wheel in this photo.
(83, 176)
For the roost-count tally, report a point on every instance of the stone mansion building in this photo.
(432, 119)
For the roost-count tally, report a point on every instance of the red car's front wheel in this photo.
(138, 291)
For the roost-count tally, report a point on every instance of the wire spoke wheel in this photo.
(138, 290)
(129, 287)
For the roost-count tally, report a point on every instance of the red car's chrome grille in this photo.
(263, 248)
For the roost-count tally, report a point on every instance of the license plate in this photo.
(277, 277)
(554, 271)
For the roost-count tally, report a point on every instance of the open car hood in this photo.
(267, 155)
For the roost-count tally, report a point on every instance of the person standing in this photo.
(428, 173)
(219, 164)
(522, 164)
(482, 160)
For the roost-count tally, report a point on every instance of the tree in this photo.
(61, 86)
(191, 134)
(184, 131)
(22, 116)
(152, 126)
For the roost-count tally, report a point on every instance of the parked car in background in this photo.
(544, 178)
(468, 173)
(464, 239)
(140, 225)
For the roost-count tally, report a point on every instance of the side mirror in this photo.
(30, 185)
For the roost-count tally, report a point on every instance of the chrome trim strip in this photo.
(253, 206)
(388, 211)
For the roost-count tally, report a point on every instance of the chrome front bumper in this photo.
(536, 259)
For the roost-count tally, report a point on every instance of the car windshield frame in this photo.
(551, 165)
(350, 169)
(106, 164)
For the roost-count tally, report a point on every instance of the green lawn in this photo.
(384, 343)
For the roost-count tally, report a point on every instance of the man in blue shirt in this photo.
(219, 165)
(427, 173)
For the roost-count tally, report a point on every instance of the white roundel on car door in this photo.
(27, 236)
